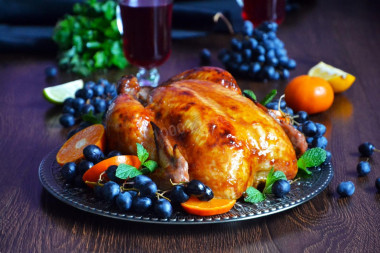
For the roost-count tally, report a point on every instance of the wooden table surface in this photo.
(344, 33)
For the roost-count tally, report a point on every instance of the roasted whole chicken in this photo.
(198, 125)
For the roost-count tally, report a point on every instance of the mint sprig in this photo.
(269, 97)
(125, 171)
(93, 118)
(311, 158)
(252, 195)
(272, 177)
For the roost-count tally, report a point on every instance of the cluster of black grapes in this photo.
(93, 97)
(313, 131)
(258, 55)
(139, 194)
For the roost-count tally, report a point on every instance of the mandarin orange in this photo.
(309, 94)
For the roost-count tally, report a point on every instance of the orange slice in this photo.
(92, 175)
(72, 149)
(207, 208)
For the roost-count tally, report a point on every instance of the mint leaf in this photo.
(269, 97)
(311, 158)
(125, 171)
(142, 154)
(93, 118)
(272, 177)
(249, 94)
(150, 165)
(252, 195)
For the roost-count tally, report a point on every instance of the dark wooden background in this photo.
(344, 33)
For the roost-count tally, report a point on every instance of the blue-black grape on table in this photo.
(98, 90)
(84, 166)
(51, 72)
(205, 56)
(110, 190)
(124, 201)
(148, 189)
(87, 108)
(248, 28)
(321, 129)
(178, 194)
(162, 208)
(113, 153)
(93, 153)
(67, 120)
(301, 117)
(111, 173)
(78, 104)
(280, 188)
(89, 85)
(141, 204)
(68, 109)
(309, 128)
(207, 195)
(319, 142)
(100, 105)
(328, 157)
(346, 189)
(78, 181)
(68, 171)
(98, 190)
(196, 188)
(141, 180)
(377, 184)
(366, 149)
(363, 168)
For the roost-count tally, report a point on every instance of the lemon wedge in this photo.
(57, 94)
(338, 79)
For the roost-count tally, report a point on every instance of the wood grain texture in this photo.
(343, 33)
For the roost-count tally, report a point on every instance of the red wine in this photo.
(146, 31)
(258, 11)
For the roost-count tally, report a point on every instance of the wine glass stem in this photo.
(148, 77)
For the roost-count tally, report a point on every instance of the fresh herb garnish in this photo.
(125, 171)
(249, 94)
(272, 177)
(93, 118)
(311, 158)
(89, 39)
(269, 97)
(252, 195)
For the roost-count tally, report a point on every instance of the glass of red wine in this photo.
(145, 26)
(259, 11)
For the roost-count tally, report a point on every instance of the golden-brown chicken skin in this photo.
(219, 136)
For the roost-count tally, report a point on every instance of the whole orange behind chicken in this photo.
(197, 125)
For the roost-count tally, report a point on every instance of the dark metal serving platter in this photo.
(302, 191)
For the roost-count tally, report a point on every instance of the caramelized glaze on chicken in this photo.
(203, 128)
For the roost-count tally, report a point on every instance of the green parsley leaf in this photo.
(93, 118)
(249, 94)
(142, 153)
(272, 177)
(269, 97)
(150, 165)
(125, 171)
(252, 195)
(88, 40)
(311, 158)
